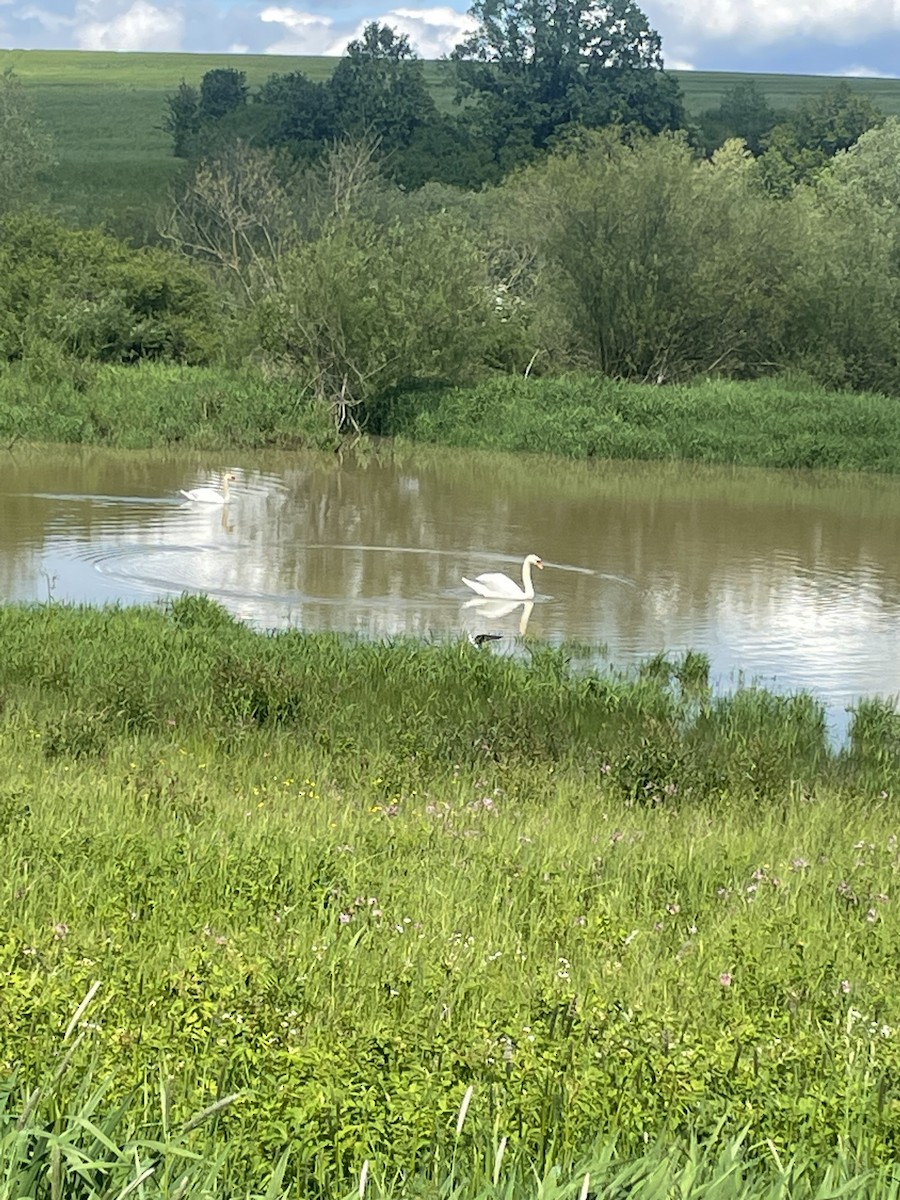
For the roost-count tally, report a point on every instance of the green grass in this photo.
(155, 405)
(780, 422)
(105, 110)
(705, 89)
(646, 931)
(785, 423)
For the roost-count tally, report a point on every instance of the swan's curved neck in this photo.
(225, 486)
(527, 585)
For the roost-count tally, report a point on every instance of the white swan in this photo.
(210, 495)
(497, 586)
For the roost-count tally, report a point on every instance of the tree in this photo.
(221, 92)
(182, 119)
(235, 212)
(379, 88)
(25, 147)
(744, 112)
(536, 66)
(193, 115)
(301, 113)
(798, 148)
(868, 171)
(364, 309)
(652, 265)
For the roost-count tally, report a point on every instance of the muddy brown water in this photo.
(789, 579)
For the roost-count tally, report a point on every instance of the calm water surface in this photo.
(793, 580)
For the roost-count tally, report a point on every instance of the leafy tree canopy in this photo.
(222, 91)
(538, 65)
(796, 149)
(744, 112)
(379, 88)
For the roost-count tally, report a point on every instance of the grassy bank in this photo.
(158, 405)
(466, 917)
(765, 423)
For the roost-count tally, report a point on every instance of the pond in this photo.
(789, 579)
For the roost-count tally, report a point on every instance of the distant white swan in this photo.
(497, 586)
(210, 495)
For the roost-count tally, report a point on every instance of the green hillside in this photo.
(105, 110)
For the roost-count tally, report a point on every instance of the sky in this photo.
(817, 37)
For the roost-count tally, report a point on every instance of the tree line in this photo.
(620, 250)
(532, 73)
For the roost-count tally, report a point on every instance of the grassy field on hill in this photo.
(105, 111)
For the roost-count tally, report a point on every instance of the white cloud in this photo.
(861, 72)
(50, 21)
(432, 32)
(765, 22)
(678, 64)
(306, 33)
(143, 26)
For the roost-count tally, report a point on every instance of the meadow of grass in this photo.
(782, 422)
(281, 906)
(105, 111)
(779, 422)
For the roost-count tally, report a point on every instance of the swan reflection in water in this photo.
(496, 610)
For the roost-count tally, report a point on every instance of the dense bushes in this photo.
(650, 264)
(90, 296)
(626, 257)
(364, 308)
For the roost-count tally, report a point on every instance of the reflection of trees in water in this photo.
(20, 571)
(383, 539)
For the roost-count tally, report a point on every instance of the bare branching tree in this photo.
(236, 212)
(242, 212)
(338, 186)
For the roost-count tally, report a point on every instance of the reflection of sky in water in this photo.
(783, 580)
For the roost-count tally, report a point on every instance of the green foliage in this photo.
(94, 298)
(221, 91)
(656, 266)
(301, 113)
(378, 88)
(536, 67)
(105, 113)
(365, 308)
(744, 112)
(797, 148)
(182, 119)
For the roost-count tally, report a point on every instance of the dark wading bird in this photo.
(478, 639)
